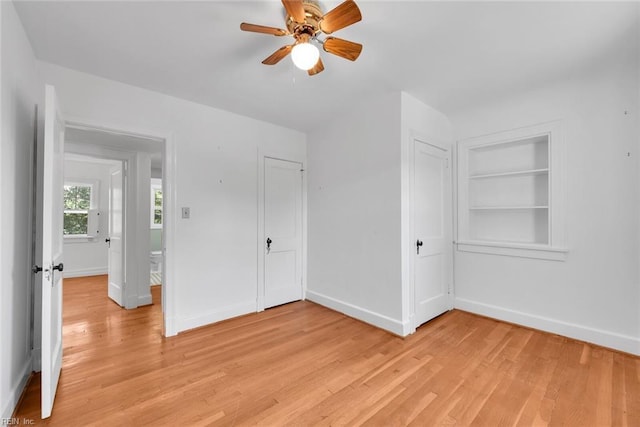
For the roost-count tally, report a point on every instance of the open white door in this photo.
(283, 232)
(433, 231)
(115, 239)
(52, 183)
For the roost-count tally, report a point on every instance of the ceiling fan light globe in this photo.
(305, 56)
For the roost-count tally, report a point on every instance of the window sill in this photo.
(514, 250)
(79, 238)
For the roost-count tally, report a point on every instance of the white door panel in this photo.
(430, 290)
(116, 228)
(52, 255)
(432, 228)
(283, 232)
(281, 275)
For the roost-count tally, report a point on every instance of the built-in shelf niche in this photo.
(506, 185)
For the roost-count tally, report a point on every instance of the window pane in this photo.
(75, 223)
(77, 197)
(157, 199)
(157, 216)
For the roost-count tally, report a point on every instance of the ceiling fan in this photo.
(305, 22)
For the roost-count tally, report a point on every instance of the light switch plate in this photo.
(186, 213)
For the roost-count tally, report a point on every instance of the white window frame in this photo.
(555, 249)
(156, 184)
(93, 204)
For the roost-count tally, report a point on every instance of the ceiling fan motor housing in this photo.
(313, 14)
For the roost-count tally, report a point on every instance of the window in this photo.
(77, 203)
(156, 203)
(510, 197)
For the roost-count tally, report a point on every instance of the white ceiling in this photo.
(448, 54)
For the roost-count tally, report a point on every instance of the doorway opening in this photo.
(125, 169)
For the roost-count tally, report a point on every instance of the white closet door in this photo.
(282, 232)
(433, 231)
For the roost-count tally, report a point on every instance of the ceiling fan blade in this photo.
(278, 55)
(318, 68)
(295, 9)
(262, 29)
(343, 15)
(342, 48)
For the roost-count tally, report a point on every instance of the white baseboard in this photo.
(86, 272)
(609, 339)
(36, 356)
(170, 326)
(186, 323)
(16, 391)
(144, 300)
(130, 301)
(379, 320)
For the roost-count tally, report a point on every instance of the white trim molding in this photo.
(376, 319)
(9, 405)
(596, 336)
(144, 300)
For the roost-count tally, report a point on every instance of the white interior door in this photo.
(433, 231)
(52, 227)
(115, 239)
(282, 232)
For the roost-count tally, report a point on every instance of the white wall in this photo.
(21, 89)
(86, 257)
(354, 213)
(359, 215)
(595, 294)
(215, 160)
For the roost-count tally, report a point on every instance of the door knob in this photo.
(269, 241)
(59, 267)
(418, 244)
(36, 269)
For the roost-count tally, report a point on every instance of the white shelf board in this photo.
(505, 208)
(512, 173)
(514, 249)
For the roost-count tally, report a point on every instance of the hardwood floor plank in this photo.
(631, 396)
(302, 364)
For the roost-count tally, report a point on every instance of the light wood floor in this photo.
(303, 364)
